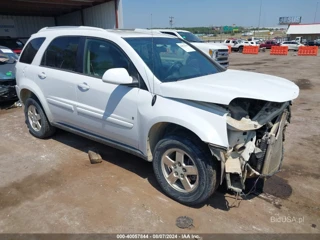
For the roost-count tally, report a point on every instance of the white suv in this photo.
(292, 45)
(159, 98)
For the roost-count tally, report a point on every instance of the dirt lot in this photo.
(50, 186)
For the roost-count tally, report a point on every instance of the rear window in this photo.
(31, 50)
(62, 53)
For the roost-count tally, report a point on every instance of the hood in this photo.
(208, 46)
(223, 87)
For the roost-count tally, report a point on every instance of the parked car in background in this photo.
(292, 45)
(160, 98)
(238, 47)
(313, 43)
(255, 39)
(8, 61)
(269, 44)
(231, 42)
(15, 44)
(217, 51)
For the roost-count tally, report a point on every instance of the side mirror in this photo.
(117, 76)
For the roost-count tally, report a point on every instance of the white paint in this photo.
(225, 86)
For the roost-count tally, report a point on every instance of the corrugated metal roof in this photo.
(48, 8)
(304, 29)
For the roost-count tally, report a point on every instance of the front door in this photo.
(103, 109)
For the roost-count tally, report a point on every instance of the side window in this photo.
(228, 41)
(101, 55)
(62, 53)
(31, 50)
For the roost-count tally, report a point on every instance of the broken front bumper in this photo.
(256, 146)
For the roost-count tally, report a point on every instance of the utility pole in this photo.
(259, 15)
(171, 21)
(315, 14)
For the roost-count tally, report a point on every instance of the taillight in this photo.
(18, 51)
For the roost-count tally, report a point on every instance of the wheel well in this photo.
(160, 130)
(25, 94)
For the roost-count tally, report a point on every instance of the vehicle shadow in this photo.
(222, 199)
(117, 157)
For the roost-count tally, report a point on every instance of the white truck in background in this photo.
(237, 45)
(217, 51)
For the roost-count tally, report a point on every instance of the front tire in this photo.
(240, 49)
(185, 169)
(36, 120)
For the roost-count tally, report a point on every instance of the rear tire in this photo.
(185, 169)
(240, 49)
(36, 120)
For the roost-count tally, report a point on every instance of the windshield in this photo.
(171, 59)
(7, 64)
(190, 37)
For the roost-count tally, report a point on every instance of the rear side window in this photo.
(62, 53)
(31, 50)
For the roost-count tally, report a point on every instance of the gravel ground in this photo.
(50, 185)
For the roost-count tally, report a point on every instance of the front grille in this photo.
(223, 50)
(222, 59)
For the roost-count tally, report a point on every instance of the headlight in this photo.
(213, 53)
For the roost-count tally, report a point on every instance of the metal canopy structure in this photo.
(49, 8)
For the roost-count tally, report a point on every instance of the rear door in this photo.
(57, 77)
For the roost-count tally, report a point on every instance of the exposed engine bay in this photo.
(256, 133)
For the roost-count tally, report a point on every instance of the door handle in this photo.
(84, 86)
(42, 75)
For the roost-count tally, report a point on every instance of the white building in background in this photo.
(305, 31)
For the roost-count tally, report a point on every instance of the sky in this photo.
(204, 13)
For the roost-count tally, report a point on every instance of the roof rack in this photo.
(70, 28)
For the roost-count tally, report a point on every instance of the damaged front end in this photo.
(7, 90)
(256, 134)
(7, 74)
